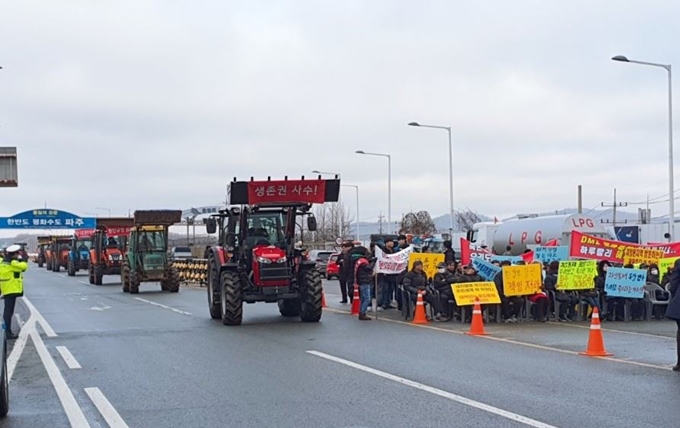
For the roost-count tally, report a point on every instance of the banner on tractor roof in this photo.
(430, 262)
(287, 191)
(392, 264)
(110, 231)
(590, 247)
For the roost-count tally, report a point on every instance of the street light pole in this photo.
(671, 180)
(448, 129)
(358, 235)
(341, 213)
(389, 184)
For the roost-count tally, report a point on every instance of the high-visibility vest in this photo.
(12, 278)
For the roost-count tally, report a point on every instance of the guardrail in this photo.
(192, 271)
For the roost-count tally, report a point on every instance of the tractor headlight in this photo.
(263, 260)
(283, 260)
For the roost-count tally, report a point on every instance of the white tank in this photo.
(525, 233)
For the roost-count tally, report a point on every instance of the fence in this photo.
(192, 271)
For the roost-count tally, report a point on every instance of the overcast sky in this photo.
(157, 104)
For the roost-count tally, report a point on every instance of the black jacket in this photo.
(673, 309)
(414, 281)
(364, 272)
(550, 282)
(443, 281)
(449, 255)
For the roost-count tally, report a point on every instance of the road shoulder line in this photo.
(108, 412)
(68, 357)
(163, 306)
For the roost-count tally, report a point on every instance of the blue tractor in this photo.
(79, 255)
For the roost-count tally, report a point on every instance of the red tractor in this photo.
(256, 259)
(108, 245)
(59, 249)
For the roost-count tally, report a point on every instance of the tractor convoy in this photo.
(255, 258)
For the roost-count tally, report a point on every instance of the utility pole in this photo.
(380, 222)
(580, 199)
(615, 205)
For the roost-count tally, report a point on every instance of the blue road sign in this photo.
(627, 234)
(46, 218)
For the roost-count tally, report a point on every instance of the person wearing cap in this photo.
(415, 281)
(12, 268)
(442, 281)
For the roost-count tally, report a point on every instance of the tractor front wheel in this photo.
(134, 282)
(231, 301)
(311, 291)
(125, 277)
(98, 274)
(171, 282)
(71, 268)
(213, 287)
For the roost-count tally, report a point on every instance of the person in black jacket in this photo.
(416, 281)
(511, 306)
(567, 301)
(449, 252)
(673, 309)
(442, 281)
(346, 289)
(364, 265)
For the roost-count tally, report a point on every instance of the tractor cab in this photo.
(106, 250)
(79, 253)
(43, 244)
(149, 245)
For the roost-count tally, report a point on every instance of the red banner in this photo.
(287, 191)
(110, 231)
(589, 247)
(469, 250)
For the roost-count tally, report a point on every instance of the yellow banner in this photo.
(635, 255)
(430, 262)
(577, 275)
(522, 280)
(465, 293)
(664, 265)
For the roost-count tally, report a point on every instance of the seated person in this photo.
(416, 281)
(511, 306)
(567, 301)
(443, 279)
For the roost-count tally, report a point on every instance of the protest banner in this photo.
(430, 262)
(468, 250)
(622, 282)
(511, 259)
(665, 264)
(577, 275)
(522, 280)
(465, 293)
(642, 255)
(550, 254)
(392, 263)
(485, 269)
(670, 249)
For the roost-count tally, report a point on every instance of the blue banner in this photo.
(622, 282)
(627, 234)
(511, 259)
(485, 269)
(45, 218)
(549, 254)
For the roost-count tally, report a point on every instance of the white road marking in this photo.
(453, 397)
(84, 282)
(68, 357)
(103, 307)
(111, 416)
(163, 306)
(19, 346)
(68, 401)
(19, 320)
(39, 318)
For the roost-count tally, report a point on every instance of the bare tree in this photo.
(328, 219)
(466, 219)
(419, 223)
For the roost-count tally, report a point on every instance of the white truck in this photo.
(528, 233)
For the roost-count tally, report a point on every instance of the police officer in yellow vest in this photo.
(12, 270)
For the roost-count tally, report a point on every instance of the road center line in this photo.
(111, 416)
(453, 397)
(19, 346)
(68, 357)
(39, 318)
(68, 401)
(163, 306)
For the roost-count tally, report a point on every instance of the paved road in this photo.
(158, 360)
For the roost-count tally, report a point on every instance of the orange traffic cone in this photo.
(323, 300)
(595, 340)
(477, 324)
(419, 317)
(355, 301)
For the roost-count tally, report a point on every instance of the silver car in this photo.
(321, 258)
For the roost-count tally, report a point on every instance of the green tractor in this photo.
(146, 259)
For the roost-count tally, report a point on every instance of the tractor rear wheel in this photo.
(98, 274)
(310, 295)
(289, 307)
(56, 266)
(90, 274)
(231, 298)
(171, 282)
(48, 265)
(213, 287)
(134, 282)
(125, 277)
(71, 268)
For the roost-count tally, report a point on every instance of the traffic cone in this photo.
(477, 324)
(419, 317)
(595, 340)
(355, 301)
(323, 300)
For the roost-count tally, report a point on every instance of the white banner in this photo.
(392, 263)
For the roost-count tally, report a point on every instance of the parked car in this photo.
(332, 268)
(180, 253)
(321, 258)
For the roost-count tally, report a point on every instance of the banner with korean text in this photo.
(469, 250)
(577, 275)
(465, 293)
(485, 269)
(392, 263)
(550, 254)
(642, 255)
(522, 280)
(430, 262)
(622, 282)
(665, 264)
